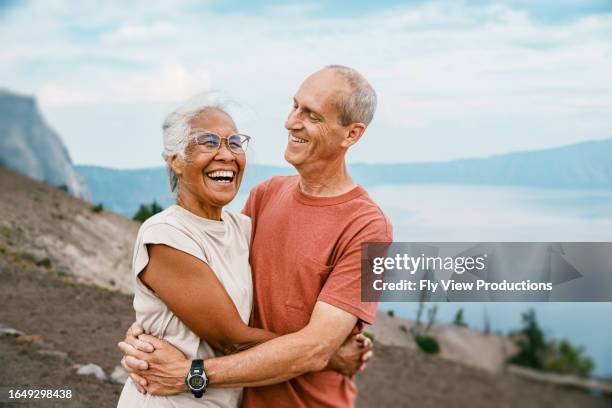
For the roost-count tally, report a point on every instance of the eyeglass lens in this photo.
(212, 142)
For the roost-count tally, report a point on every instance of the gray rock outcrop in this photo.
(29, 146)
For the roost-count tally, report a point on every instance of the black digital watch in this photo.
(196, 378)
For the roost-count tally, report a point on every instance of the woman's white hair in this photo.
(177, 129)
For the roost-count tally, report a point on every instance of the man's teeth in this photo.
(298, 140)
(224, 176)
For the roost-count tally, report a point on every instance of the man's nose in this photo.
(293, 121)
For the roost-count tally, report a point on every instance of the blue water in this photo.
(486, 213)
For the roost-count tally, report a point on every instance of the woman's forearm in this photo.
(180, 281)
(245, 338)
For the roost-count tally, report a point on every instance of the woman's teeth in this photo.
(222, 176)
(298, 140)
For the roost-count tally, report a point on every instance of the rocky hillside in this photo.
(64, 234)
(29, 146)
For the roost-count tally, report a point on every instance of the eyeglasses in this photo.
(211, 142)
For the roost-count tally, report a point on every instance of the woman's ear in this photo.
(176, 163)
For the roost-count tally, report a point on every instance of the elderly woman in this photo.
(193, 283)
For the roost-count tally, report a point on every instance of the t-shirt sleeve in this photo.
(166, 234)
(343, 286)
(254, 199)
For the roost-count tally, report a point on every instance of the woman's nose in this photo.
(224, 153)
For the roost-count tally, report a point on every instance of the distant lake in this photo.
(490, 213)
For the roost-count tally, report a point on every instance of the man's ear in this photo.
(356, 130)
(176, 163)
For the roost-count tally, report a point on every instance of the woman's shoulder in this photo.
(168, 228)
(240, 220)
(164, 220)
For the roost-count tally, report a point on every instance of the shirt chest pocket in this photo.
(302, 287)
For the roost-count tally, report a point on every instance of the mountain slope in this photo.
(123, 191)
(62, 233)
(585, 165)
(29, 146)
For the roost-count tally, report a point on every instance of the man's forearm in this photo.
(274, 361)
(269, 363)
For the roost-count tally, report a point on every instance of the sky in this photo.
(454, 79)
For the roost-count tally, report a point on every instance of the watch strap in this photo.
(197, 367)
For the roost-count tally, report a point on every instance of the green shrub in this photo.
(567, 359)
(427, 344)
(98, 208)
(551, 356)
(147, 210)
(458, 321)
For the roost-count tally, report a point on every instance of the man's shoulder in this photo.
(369, 211)
(365, 203)
(274, 183)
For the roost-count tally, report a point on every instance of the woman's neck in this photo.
(195, 206)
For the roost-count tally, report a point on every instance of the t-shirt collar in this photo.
(325, 201)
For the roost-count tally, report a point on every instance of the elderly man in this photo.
(305, 258)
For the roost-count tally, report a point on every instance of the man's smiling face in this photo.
(315, 132)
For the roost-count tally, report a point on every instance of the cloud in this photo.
(140, 32)
(171, 82)
(461, 79)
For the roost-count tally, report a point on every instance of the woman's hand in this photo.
(131, 338)
(155, 366)
(352, 356)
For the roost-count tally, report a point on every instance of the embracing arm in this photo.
(309, 349)
(163, 371)
(196, 296)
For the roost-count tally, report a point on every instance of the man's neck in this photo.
(326, 180)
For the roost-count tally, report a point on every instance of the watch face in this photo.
(196, 382)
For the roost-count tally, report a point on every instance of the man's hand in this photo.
(154, 365)
(352, 356)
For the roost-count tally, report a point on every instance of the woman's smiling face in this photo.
(209, 180)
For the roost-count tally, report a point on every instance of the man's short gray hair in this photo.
(360, 104)
(176, 130)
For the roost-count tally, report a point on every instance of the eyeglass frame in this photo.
(196, 133)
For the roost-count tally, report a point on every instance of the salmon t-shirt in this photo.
(307, 249)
